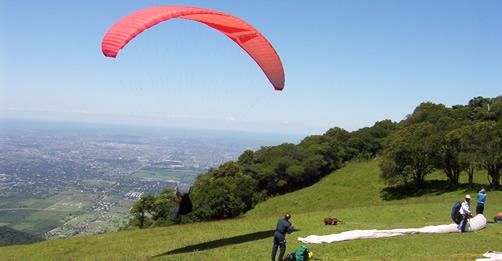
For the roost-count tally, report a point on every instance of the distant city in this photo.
(63, 179)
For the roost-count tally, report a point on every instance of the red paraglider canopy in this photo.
(242, 33)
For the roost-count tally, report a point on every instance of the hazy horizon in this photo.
(140, 130)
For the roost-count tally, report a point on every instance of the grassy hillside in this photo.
(354, 194)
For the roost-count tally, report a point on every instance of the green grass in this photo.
(353, 194)
(19, 199)
(37, 216)
(35, 222)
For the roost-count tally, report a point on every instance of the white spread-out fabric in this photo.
(492, 256)
(476, 223)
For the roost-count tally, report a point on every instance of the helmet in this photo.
(287, 216)
(468, 196)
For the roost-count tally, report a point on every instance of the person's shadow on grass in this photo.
(221, 243)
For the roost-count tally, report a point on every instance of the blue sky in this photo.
(347, 63)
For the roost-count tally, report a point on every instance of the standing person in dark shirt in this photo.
(283, 227)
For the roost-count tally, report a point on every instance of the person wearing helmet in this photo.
(465, 211)
(283, 227)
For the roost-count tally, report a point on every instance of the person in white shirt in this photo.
(465, 211)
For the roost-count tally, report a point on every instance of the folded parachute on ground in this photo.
(476, 223)
(242, 33)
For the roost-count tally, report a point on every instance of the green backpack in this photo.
(302, 254)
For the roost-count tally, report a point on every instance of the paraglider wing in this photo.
(242, 33)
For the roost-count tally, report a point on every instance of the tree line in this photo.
(459, 139)
(237, 186)
(456, 140)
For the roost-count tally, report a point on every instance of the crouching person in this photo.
(465, 211)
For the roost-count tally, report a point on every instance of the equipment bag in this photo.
(455, 213)
(498, 218)
(302, 254)
(331, 221)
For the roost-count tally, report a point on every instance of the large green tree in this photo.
(223, 193)
(450, 156)
(142, 211)
(410, 154)
(489, 137)
(427, 112)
